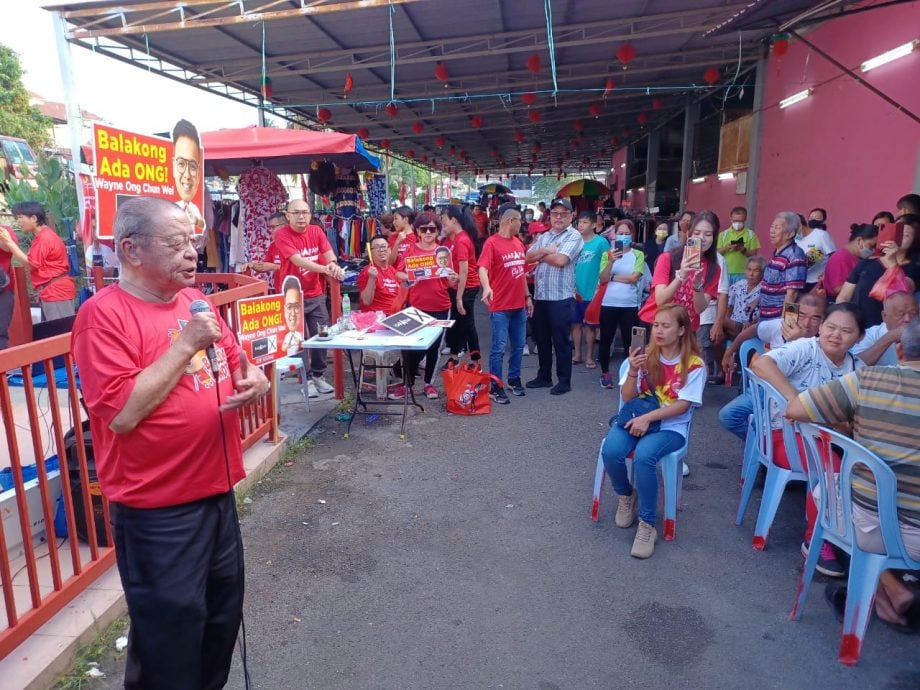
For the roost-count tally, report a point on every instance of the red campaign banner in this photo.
(130, 164)
(263, 329)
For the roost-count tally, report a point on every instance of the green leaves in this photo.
(17, 117)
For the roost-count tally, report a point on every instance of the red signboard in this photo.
(264, 331)
(130, 164)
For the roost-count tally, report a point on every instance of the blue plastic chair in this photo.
(671, 469)
(767, 401)
(835, 524)
(745, 354)
(748, 349)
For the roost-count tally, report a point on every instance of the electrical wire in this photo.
(392, 53)
(550, 42)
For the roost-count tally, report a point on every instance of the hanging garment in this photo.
(377, 195)
(347, 189)
(263, 194)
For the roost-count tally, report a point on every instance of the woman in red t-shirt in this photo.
(377, 283)
(692, 284)
(464, 238)
(428, 294)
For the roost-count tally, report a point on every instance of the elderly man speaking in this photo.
(167, 448)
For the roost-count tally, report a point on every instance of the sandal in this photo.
(590, 364)
(576, 361)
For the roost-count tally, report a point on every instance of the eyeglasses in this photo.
(558, 214)
(183, 164)
(299, 213)
(428, 229)
(381, 248)
(275, 226)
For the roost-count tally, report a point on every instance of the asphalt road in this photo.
(464, 557)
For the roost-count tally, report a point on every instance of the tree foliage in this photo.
(54, 189)
(17, 117)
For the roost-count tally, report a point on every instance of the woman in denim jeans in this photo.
(670, 369)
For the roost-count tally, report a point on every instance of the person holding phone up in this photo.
(688, 275)
(736, 244)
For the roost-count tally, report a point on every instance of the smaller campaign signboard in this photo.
(264, 331)
(425, 267)
(407, 321)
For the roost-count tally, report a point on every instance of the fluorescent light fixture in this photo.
(628, 191)
(698, 180)
(889, 56)
(726, 176)
(641, 189)
(795, 98)
(622, 165)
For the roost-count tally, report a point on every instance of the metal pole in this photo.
(74, 114)
(412, 173)
(386, 176)
(691, 117)
(753, 171)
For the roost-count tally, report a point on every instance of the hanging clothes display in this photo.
(377, 194)
(347, 190)
(262, 194)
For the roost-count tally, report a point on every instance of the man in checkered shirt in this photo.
(555, 253)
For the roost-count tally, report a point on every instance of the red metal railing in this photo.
(52, 577)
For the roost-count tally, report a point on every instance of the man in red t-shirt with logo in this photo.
(502, 272)
(377, 283)
(7, 289)
(167, 448)
(306, 253)
(47, 261)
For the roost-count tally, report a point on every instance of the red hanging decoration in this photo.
(363, 132)
(626, 132)
(780, 45)
(424, 157)
(410, 154)
(452, 150)
(579, 125)
(642, 119)
(614, 141)
(657, 104)
(609, 87)
(439, 141)
(533, 63)
(626, 53)
(534, 116)
(349, 83)
(537, 148)
(385, 143)
(476, 121)
(440, 73)
(418, 127)
(595, 110)
(392, 110)
(529, 99)
(519, 136)
(494, 152)
(586, 161)
(711, 76)
(267, 88)
(324, 115)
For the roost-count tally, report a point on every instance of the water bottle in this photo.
(346, 311)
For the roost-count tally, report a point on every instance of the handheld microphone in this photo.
(200, 306)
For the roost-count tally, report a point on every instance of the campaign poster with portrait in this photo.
(129, 164)
(263, 328)
(437, 265)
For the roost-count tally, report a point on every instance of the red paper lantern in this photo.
(425, 157)
(711, 76)
(324, 115)
(410, 154)
(780, 45)
(349, 83)
(533, 63)
(452, 150)
(476, 121)
(579, 125)
(440, 72)
(440, 141)
(392, 110)
(537, 148)
(494, 153)
(418, 127)
(614, 141)
(519, 136)
(385, 143)
(626, 132)
(657, 104)
(595, 110)
(534, 116)
(529, 99)
(363, 132)
(642, 119)
(626, 53)
(609, 86)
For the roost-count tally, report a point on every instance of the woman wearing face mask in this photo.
(842, 262)
(654, 245)
(863, 278)
(621, 271)
(817, 244)
(679, 278)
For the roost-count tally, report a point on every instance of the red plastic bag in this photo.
(593, 312)
(892, 280)
(466, 386)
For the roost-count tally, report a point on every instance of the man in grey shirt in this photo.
(555, 253)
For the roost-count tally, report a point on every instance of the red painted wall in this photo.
(714, 195)
(844, 148)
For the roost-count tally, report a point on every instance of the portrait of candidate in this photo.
(187, 170)
(293, 314)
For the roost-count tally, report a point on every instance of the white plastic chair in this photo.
(292, 364)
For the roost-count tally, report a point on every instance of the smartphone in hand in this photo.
(790, 313)
(619, 246)
(638, 339)
(889, 232)
(694, 251)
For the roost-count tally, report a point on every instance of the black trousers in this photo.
(414, 357)
(463, 334)
(7, 298)
(552, 327)
(182, 572)
(613, 318)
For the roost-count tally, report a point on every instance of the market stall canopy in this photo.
(461, 86)
(283, 151)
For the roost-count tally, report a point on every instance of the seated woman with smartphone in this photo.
(658, 392)
(687, 275)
